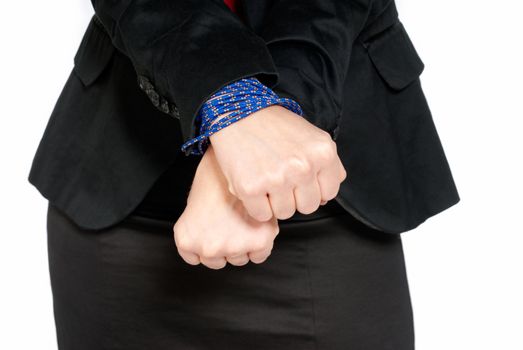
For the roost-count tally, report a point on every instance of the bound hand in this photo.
(276, 162)
(215, 228)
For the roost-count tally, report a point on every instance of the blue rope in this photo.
(242, 97)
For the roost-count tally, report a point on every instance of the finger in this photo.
(283, 204)
(329, 182)
(238, 260)
(308, 196)
(260, 256)
(258, 207)
(341, 170)
(189, 257)
(214, 263)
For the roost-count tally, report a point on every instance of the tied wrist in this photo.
(241, 98)
(215, 121)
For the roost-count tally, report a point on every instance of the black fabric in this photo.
(330, 283)
(184, 49)
(350, 63)
(167, 197)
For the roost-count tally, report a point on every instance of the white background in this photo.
(464, 265)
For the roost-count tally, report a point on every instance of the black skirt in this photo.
(330, 283)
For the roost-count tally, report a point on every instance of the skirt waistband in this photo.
(156, 218)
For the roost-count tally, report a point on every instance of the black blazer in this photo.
(144, 68)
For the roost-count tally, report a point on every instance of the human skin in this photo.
(276, 162)
(229, 232)
(215, 228)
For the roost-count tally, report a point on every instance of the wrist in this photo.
(209, 178)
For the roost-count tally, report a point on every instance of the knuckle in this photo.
(216, 266)
(325, 151)
(260, 215)
(277, 180)
(256, 245)
(303, 167)
(188, 259)
(209, 251)
(234, 251)
(299, 167)
(334, 145)
(334, 192)
(184, 242)
(248, 189)
(330, 196)
(259, 259)
(183, 246)
(326, 135)
(261, 256)
(343, 174)
(275, 233)
(308, 208)
(238, 262)
(285, 214)
(269, 245)
(261, 243)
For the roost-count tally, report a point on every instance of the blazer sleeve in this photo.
(183, 51)
(311, 42)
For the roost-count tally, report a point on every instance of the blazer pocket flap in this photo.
(94, 53)
(394, 56)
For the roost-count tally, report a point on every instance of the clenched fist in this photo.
(215, 228)
(276, 162)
